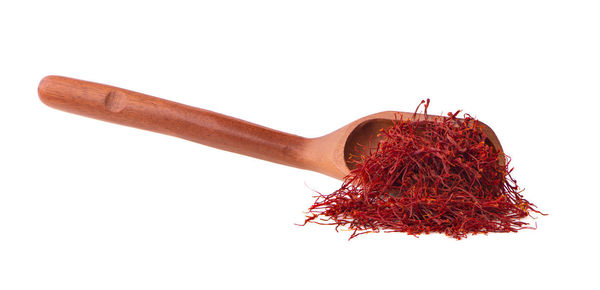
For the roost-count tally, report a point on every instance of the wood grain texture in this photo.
(142, 111)
(327, 154)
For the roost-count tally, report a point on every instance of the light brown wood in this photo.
(327, 154)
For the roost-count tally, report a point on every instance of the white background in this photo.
(91, 205)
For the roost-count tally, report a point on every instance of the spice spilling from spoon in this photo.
(427, 175)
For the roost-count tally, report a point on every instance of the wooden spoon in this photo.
(328, 154)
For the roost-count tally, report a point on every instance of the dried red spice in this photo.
(427, 176)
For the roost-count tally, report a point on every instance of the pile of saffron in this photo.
(427, 176)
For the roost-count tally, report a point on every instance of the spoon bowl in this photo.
(334, 151)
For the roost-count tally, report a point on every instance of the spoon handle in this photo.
(142, 111)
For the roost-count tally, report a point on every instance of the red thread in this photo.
(427, 176)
